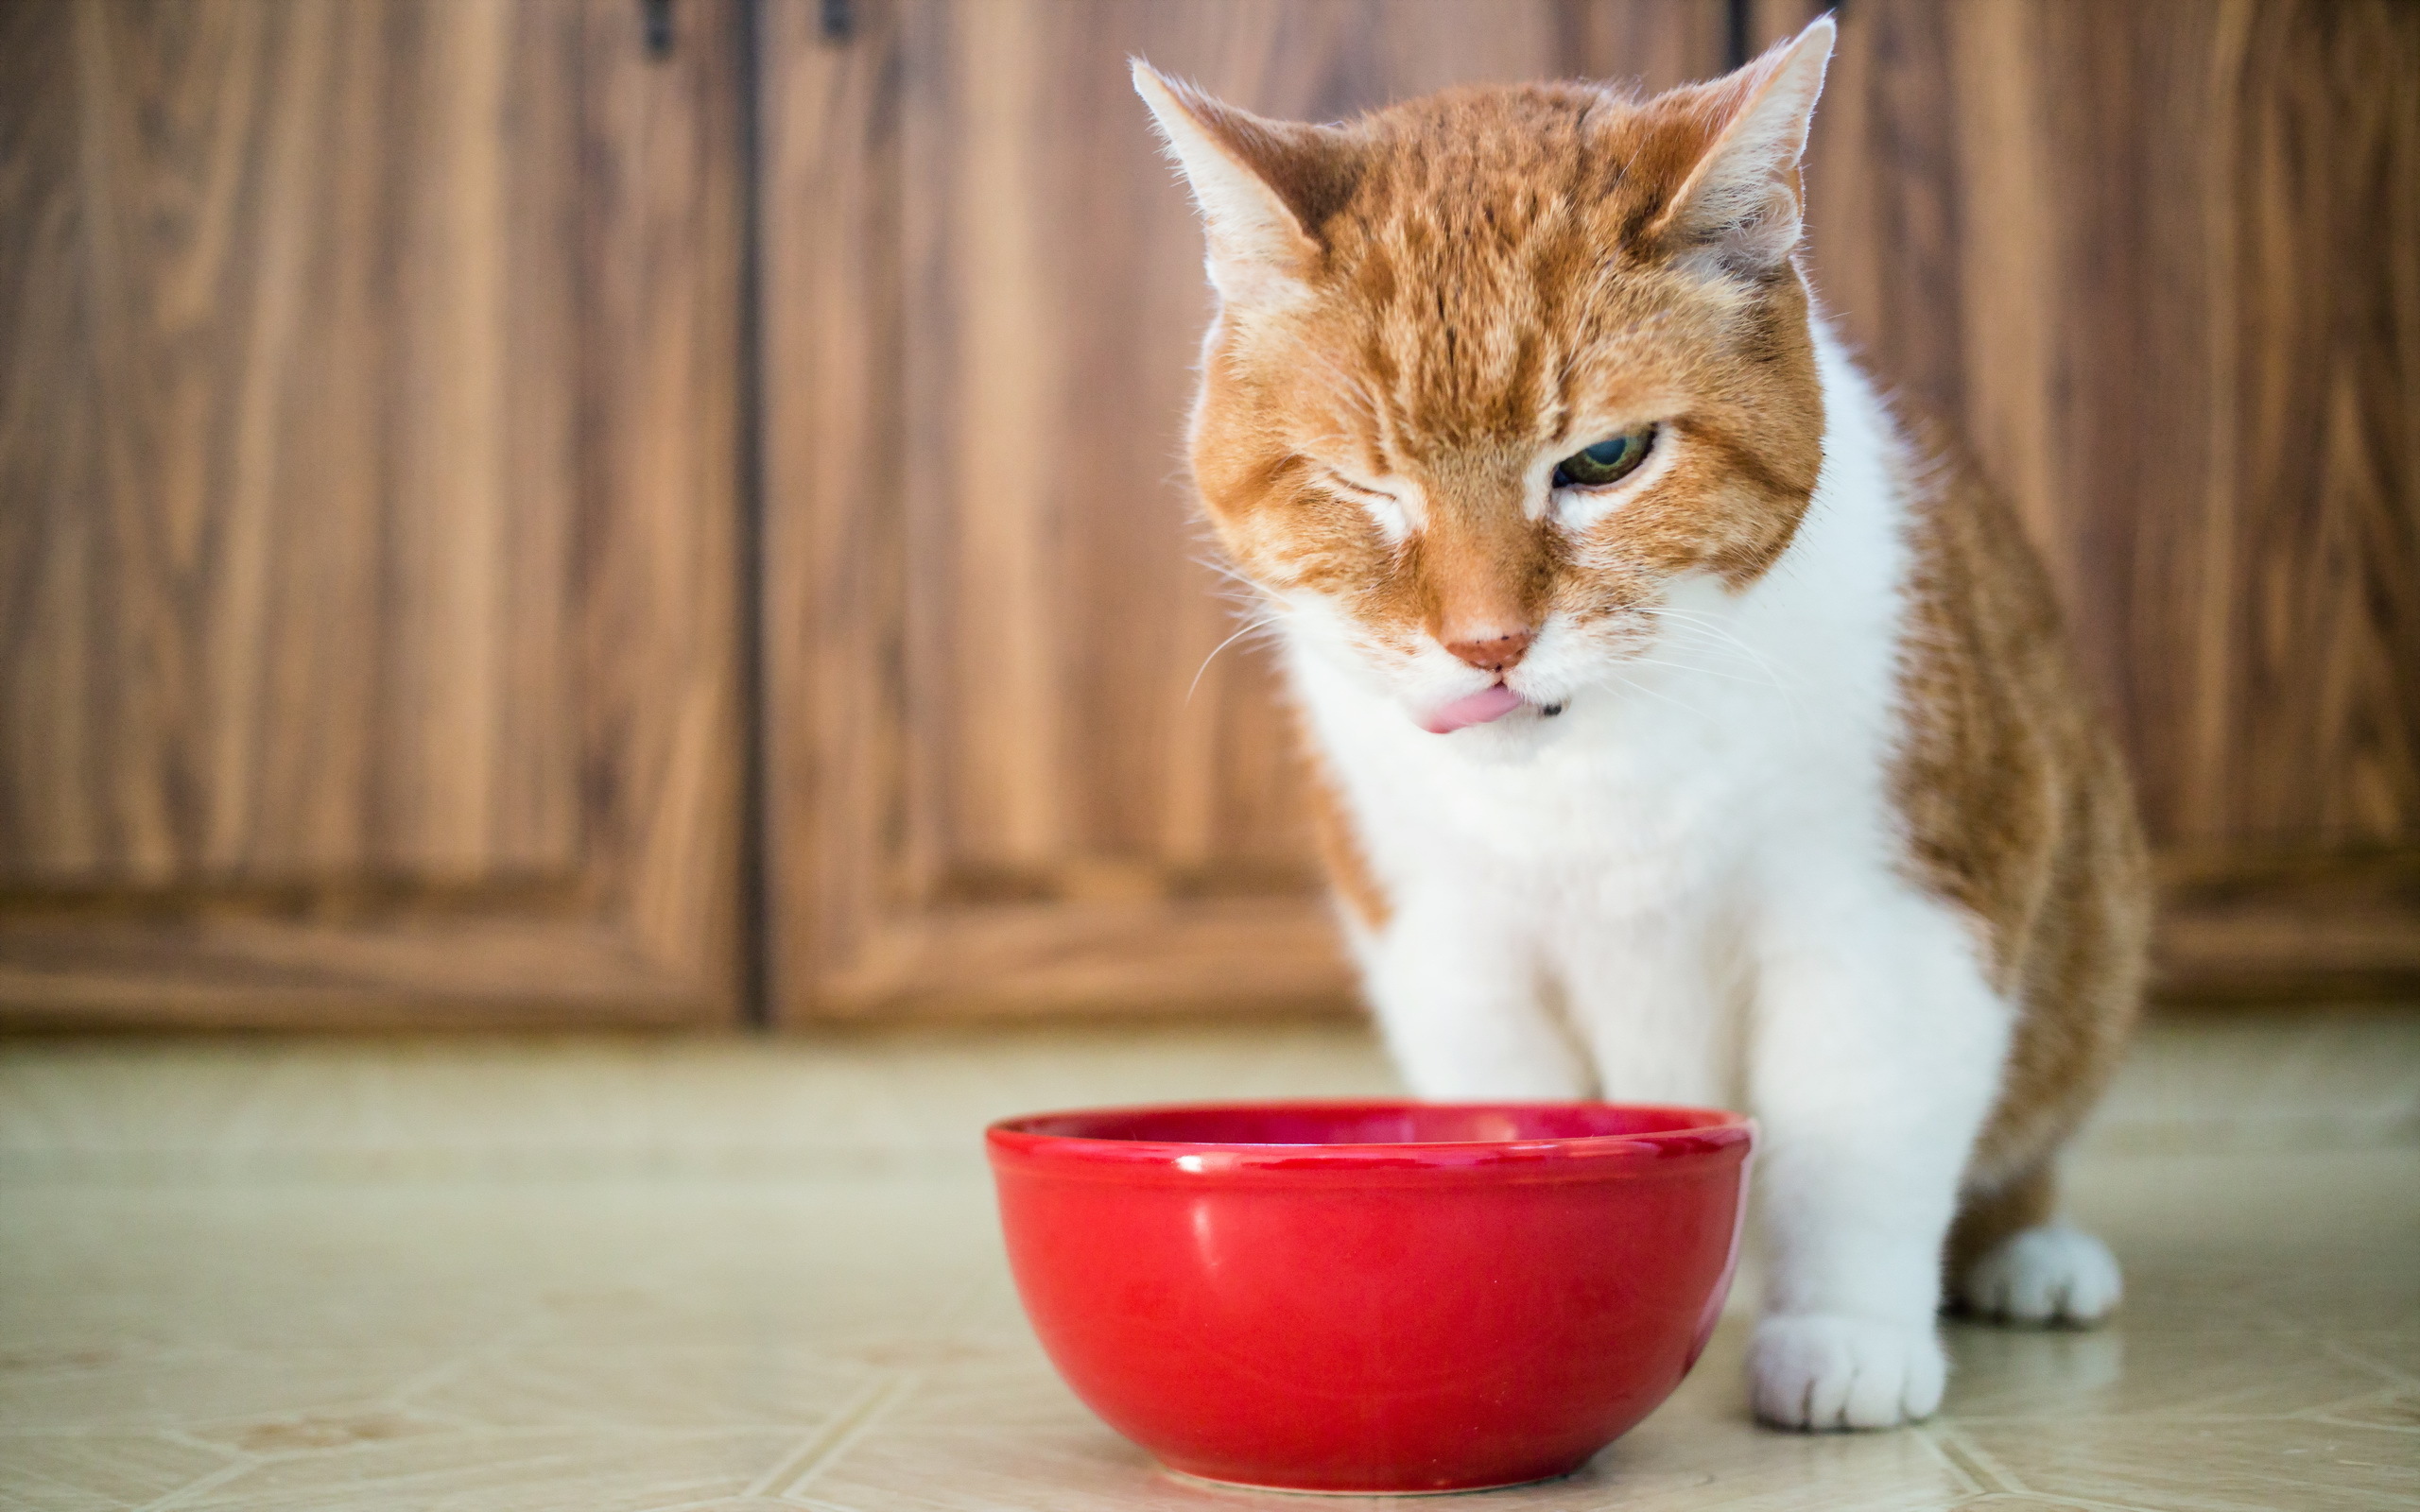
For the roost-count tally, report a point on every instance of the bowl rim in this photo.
(1699, 1132)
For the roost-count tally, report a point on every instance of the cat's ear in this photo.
(1739, 208)
(1255, 180)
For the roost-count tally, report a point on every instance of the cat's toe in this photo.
(2049, 1275)
(1826, 1371)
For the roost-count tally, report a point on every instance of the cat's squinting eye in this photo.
(1607, 462)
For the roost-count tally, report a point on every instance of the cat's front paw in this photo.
(1826, 1371)
(2049, 1275)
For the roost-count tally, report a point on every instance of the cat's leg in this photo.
(1875, 1058)
(1461, 1006)
(2010, 1259)
(1659, 1024)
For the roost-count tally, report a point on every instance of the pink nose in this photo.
(1500, 655)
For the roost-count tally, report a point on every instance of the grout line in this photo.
(1970, 1482)
(2360, 1424)
(819, 1441)
(2352, 1354)
(209, 1483)
(1970, 1479)
(850, 1431)
(399, 1398)
(1963, 1457)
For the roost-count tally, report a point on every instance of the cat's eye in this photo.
(1610, 461)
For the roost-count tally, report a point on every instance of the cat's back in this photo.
(2014, 796)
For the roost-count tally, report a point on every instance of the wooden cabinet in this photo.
(1011, 768)
(2159, 262)
(457, 564)
(2162, 265)
(368, 569)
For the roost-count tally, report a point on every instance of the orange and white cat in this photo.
(1691, 730)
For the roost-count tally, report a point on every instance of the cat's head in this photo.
(1496, 370)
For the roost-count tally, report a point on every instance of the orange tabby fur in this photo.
(2018, 809)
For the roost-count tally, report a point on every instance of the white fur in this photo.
(2053, 1273)
(1691, 887)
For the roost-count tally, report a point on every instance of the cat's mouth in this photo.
(1489, 704)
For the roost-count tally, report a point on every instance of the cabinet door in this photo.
(1010, 766)
(366, 511)
(2162, 263)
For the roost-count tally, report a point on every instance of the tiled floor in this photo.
(600, 1273)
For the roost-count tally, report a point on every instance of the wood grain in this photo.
(1010, 765)
(368, 551)
(2150, 259)
(2162, 265)
(368, 623)
(288, 437)
(1651, 44)
(2259, 928)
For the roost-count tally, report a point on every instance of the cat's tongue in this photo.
(1476, 709)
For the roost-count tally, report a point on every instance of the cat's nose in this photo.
(1498, 653)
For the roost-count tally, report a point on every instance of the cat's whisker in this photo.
(1743, 673)
(1697, 649)
(1703, 671)
(1234, 576)
(1741, 652)
(1244, 595)
(1707, 625)
(1638, 687)
(1266, 622)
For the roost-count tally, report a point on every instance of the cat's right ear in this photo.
(1251, 177)
(1740, 206)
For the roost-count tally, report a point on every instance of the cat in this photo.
(1688, 726)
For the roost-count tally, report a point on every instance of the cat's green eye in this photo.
(1606, 462)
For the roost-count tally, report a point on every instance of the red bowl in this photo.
(1373, 1297)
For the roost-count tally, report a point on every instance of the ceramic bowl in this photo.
(1373, 1297)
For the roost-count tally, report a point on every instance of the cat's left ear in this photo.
(1738, 211)
(1259, 185)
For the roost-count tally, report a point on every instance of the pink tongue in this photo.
(1476, 709)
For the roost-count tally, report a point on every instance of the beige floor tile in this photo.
(547, 1470)
(99, 1472)
(2318, 1240)
(569, 1107)
(769, 1384)
(191, 1388)
(2122, 1374)
(634, 1273)
(1698, 1452)
(1010, 1386)
(2266, 1079)
(309, 1431)
(2392, 1353)
(2187, 1466)
(2394, 1407)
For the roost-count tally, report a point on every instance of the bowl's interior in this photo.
(1371, 1123)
